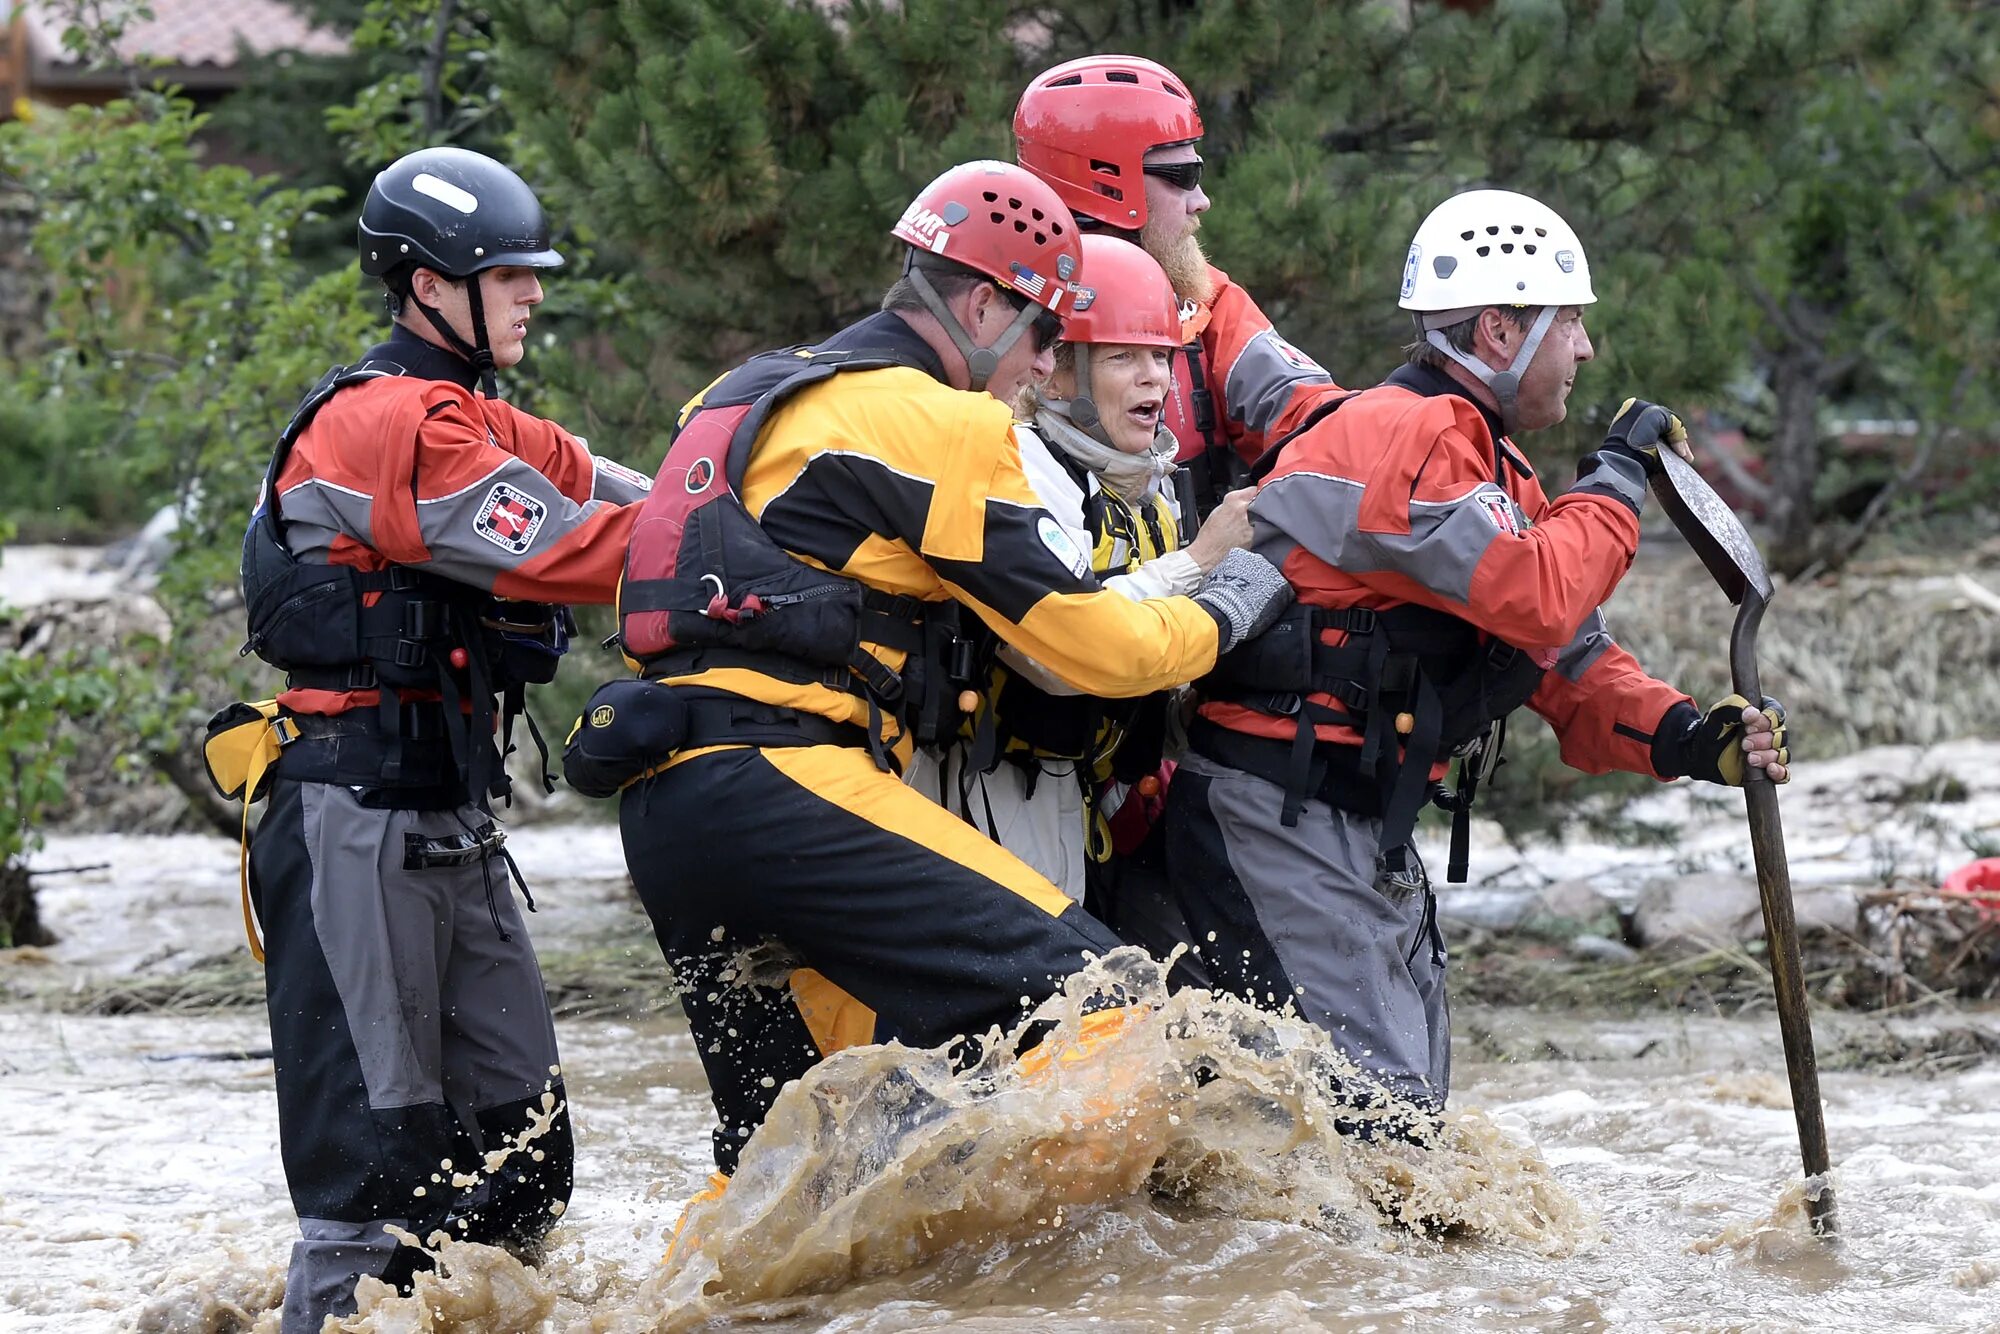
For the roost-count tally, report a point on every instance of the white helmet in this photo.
(1493, 248)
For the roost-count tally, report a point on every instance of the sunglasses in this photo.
(1180, 175)
(1046, 329)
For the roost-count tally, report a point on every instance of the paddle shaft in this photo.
(1781, 931)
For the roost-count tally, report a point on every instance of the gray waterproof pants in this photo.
(1294, 917)
(408, 1027)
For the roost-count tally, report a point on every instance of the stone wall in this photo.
(23, 287)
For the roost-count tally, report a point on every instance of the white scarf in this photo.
(1131, 477)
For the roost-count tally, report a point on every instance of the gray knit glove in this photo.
(1244, 593)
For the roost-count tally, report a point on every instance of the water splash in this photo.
(884, 1157)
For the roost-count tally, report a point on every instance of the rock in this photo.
(138, 559)
(1824, 908)
(1602, 949)
(1693, 913)
(68, 626)
(1482, 909)
(1699, 912)
(1568, 909)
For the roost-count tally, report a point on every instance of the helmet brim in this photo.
(521, 259)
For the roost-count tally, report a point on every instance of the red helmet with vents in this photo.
(1127, 300)
(1001, 220)
(1085, 127)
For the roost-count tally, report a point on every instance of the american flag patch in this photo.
(1027, 280)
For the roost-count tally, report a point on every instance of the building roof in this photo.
(190, 39)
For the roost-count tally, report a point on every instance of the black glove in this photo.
(1630, 453)
(1709, 746)
(1244, 593)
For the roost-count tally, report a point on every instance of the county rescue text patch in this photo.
(509, 518)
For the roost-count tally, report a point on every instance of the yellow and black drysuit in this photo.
(780, 816)
(1042, 767)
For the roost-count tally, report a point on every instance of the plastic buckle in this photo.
(285, 729)
(411, 653)
(421, 619)
(960, 660)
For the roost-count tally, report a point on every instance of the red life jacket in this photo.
(703, 577)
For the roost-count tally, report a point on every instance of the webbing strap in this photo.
(281, 731)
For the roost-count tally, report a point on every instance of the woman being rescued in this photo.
(1061, 779)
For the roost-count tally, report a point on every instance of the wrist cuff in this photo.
(1614, 474)
(1671, 757)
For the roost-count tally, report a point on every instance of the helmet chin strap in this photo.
(480, 351)
(980, 362)
(1506, 385)
(1082, 407)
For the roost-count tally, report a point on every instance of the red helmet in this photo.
(1128, 298)
(1002, 221)
(1085, 126)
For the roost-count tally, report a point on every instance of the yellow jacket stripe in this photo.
(915, 488)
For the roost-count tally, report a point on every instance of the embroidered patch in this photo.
(1500, 511)
(1062, 546)
(509, 518)
(1290, 355)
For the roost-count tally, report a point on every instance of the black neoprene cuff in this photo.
(1673, 755)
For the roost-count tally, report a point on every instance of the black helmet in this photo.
(455, 212)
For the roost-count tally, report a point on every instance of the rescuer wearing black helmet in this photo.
(407, 568)
(457, 214)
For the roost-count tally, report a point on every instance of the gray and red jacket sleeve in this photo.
(1392, 499)
(1263, 386)
(422, 473)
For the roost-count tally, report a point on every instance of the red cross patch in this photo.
(509, 518)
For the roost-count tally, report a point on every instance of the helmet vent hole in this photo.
(1014, 204)
(1019, 227)
(1492, 230)
(999, 218)
(1041, 238)
(1067, 81)
(1176, 90)
(1528, 247)
(1542, 231)
(1465, 236)
(1035, 213)
(1506, 247)
(990, 197)
(1121, 76)
(1055, 229)
(1518, 229)
(1105, 168)
(1483, 251)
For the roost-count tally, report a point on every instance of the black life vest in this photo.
(333, 627)
(1413, 679)
(705, 586)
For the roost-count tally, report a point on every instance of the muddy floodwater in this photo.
(142, 1191)
(1633, 1173)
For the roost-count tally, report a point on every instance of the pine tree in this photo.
(1777, 195)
